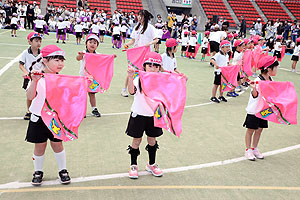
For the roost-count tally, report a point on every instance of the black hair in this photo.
(35, 38)
(265, 70)
(298, 43)
(170, 49)
(59, 57)
(147, 16)
(278, 40)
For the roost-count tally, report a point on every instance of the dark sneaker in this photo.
(96, 113)
(221, 98)
(56, 41)
(27, 116)
(64, 177)
(63, 42)
(214, 99)
(37, 178)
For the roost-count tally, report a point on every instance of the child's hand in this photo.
(130, 72)
(184, 76)
(126, 46)
(115, 55)
(25, 75)
(253, 84)
(36, 75)
(90, 78)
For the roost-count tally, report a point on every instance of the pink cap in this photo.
(206, 33)
(238, 43)
(265, 62)
(171, 42)
(194, 32)
(235, 35)
(34, 35)
(279, 37)
(92, 36)
(60, 18)
(255, 41)
(153, 57)
(52, 50)
(298, 39)
(186, 32)
(225, 43)
(247, 41)
(230, 35)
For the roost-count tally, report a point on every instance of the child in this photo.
(168, 58)
(184, 43)
(39, 24)
(252, 32)
(102, 28)
(268, 66)
(86, 27)
(218, 60)
(116, 35)
(78, 30)
(192, 45)
(235, 38)
(204, 45)
(14, 25)
(230, 39)
(67, 25)
(295, 56)
(37, 132)
(124, 28)
(159, 36)
(141, 119)
(278, 47)
(95, 27)
(29, 56)
(61, 30)
(92, 42)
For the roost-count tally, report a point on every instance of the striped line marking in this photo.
(8, 65)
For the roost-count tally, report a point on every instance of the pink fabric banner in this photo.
(101, 67)
(187, 53)
(168, 91)
(208, 50)
(278, 102)
(65, 105)
(246, 69)
(135, 57)
(282, 53)
(229, 77)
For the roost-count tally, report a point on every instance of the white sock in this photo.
(124, 89)
(61, 160)
(38, 162)
(94, 108)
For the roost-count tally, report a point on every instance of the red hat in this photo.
(194, 32)
(206, 32)
(171, 42)
(247, 41)
(225, 43)
(238, 43)
(52, 50)
(186, 32)
(265, 62)
(230, 35)
(153, 57)
(92, 36)
(279, 37)
(235, 35)
(34, 35)
(298, 39)
(255, 41)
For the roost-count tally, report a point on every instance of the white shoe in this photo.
(293, 70)
(124, 92)
(249, 155)
(257, 154)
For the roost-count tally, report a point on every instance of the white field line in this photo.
(4, 32)
(8, 65)
(16, 184)
(10, 58)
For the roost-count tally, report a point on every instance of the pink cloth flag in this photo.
(187, 53)
(229, 77)
(208, 50)
(65, 105)
(167, 93)
(135, 57)
(282, 53)
(101, 67)
(246, 69)
(277, 102)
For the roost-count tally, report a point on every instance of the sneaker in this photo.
(221, 98)
(293, 70)
(230, 94)
(56, 41)
(214, 99)
(257, 154)
(249, 155)
(235, 94)
(154, 170)
(239, 89)
(37, 178)
(96, 113)
(64, 177)
(124, 92)
(133, 172)
(63, 42)
(27, 116)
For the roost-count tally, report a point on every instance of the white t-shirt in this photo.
(14, 20)
(78, 28)
(238, 56)
(159, 33)
(217, 36)
(39, 23)
(38, 102)
(67, 24)
(52, 23)
(296, 50)
(124, 28)
(205, 42)
(193, 41)
(185, 41)
(95, 28)
(169, 63)
(61, 25)
(116, 30)
(28, 58)
(140, 105)
(102, 27)
(276, 46)
(86, 25)
(142, 39)
(221, 60)
(252, 32)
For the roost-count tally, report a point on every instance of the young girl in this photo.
(268, 66)
(14, 25)
(60, 30)
(95, 27)
(124, 28)
(141, 119)
(39, 24)
(78, 30)
(204, 45)
(295, 56)
(192, 45)
(168, 58)
(37, 132)
(184, 43)
(278, 47)
(102, 27)
(92, 42)
(116, 35)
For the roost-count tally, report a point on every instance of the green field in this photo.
(211, 133)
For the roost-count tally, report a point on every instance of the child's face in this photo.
(225, 49)
(175, 49)
(36, 43)
(152, 67)
(55, 65)
(272, 72)
(240, 48)
(92, 45)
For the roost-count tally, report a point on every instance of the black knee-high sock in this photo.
(152, 153)
(134, 154)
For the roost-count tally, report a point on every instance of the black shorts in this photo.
(102, 32)
(217, 80)
(253, 122)
(68, 30)
(96, 34)
(38, 132)
(233, 50)
(183, 48)
(39, 30)
(214, 46)
(14, 26)
(204, 50)
(191, 49)
(159, 41)
(116, 37)
(238, 77)
(86, 31)
(138, 124)
(78, 34)
(61, 31)
(277, 54)
(123, 34)
(295, 58)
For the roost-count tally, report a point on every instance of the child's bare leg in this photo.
(221, 91)
(92, 99)
(294, 63)
(256, 137)
(57, 146)
(136, 143)
(39, 148)
(248, 137)
(214, 90)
